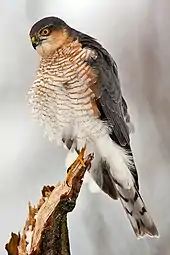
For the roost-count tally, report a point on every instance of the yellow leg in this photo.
(80, 157)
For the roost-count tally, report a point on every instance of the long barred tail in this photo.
(137, 213)
(131, 200)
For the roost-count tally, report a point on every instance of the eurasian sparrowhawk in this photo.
(77, 97)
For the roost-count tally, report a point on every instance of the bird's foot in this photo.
(79, 159)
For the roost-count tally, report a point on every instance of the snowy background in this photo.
(137, 34)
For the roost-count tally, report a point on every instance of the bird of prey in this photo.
(77, 97)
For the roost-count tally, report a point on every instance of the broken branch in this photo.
(46, 230)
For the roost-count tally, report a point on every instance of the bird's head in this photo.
(49, 34)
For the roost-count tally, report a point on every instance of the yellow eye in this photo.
(45, 32)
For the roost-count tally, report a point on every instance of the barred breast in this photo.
(62, 98)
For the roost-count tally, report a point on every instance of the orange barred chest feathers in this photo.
(62, 96)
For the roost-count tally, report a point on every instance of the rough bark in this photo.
(45, 231)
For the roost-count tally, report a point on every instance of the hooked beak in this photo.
(35, 41)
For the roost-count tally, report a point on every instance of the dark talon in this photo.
(68, 169)
(68, 184)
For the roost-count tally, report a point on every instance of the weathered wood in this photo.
(46, 230)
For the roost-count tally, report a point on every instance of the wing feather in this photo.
(110, 102)
(109, 92)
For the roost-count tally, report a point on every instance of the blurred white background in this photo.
(137, 34)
